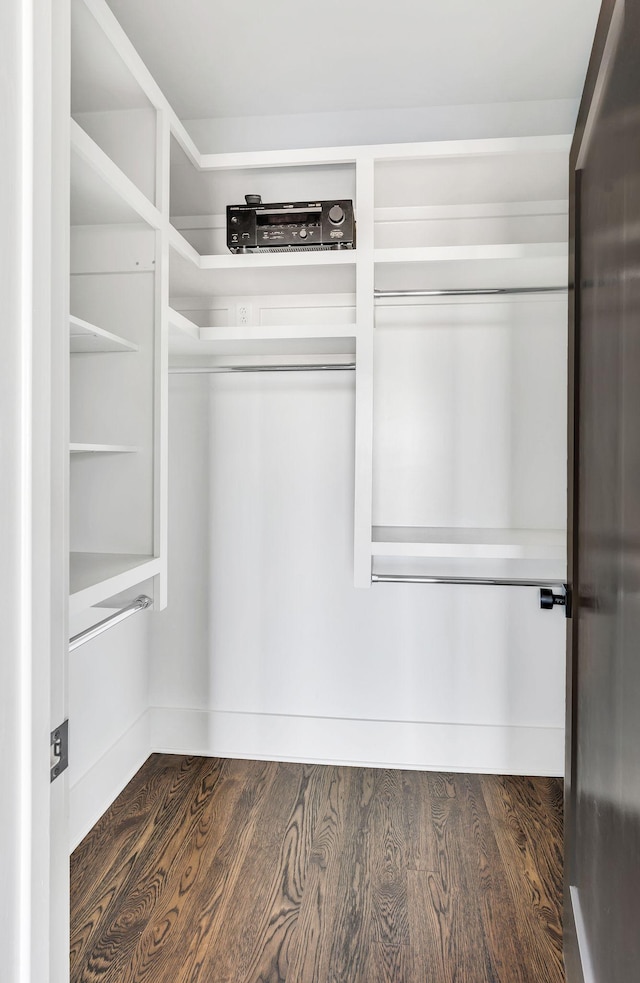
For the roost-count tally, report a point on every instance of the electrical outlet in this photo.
(243, 315)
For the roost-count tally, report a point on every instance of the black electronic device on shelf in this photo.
(297, 225)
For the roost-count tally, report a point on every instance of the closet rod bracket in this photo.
(550, 598)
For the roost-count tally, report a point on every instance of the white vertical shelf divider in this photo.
(161, 436)
(364, 374)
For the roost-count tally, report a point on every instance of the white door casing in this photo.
(33, 894)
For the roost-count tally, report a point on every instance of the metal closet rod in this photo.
(392, 578)
(140, 604)
(474, 292)
(217, 369)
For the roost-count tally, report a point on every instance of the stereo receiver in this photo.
(297, 225)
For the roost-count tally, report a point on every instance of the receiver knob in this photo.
(302, 233)
(336, 214)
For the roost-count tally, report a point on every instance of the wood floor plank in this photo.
(489, 885)
(441, 785)
(335, 917)
(114, 945)
(124, 828)
(388, 963)
(311, 947)
(103, 918)
(277, 869)
(160, 948)
(258, 872)
(389, 849)
(348, 954)
(198, 944)
(447, 940)
(422, 853)
(530, 847)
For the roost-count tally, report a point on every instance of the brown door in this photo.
(602, 889)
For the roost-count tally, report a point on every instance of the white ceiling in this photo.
(221, 58)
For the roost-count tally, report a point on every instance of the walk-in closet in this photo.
(310, 504)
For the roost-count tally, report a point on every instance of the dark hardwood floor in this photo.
(222, 871)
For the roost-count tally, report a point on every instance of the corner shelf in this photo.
(187, 338)
(86, 338)
(315, 272)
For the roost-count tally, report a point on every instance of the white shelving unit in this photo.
(117, 476)
(473, 215)
(452, 394)
(469, 454)
(256, 305)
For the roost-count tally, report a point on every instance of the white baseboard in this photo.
(92, 794)
(324, 740)
(371, 743)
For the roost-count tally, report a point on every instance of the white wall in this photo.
(267, 650)
(383, 126)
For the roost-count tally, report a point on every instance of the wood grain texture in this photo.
(230, 871)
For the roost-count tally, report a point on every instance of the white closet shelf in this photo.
(278, 332)
(469, 543)
(79, 448)
(100, 193)
(186, 338)
(499, 209)
(95, 577)
(504, 265)
(258, 332)
(477, 253)
(261, 260)
(192, 275)
(89, 338)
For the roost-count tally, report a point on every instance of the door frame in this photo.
(34, 914)
(608, 30)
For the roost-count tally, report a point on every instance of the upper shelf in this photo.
(196, 191)
(491, 171)
(101, 194)
(481, 266)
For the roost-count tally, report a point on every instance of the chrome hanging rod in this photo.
(216, 369)
(474, 292)
(392, 578)
(140, 604)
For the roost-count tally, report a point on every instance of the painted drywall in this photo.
(266, 648)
